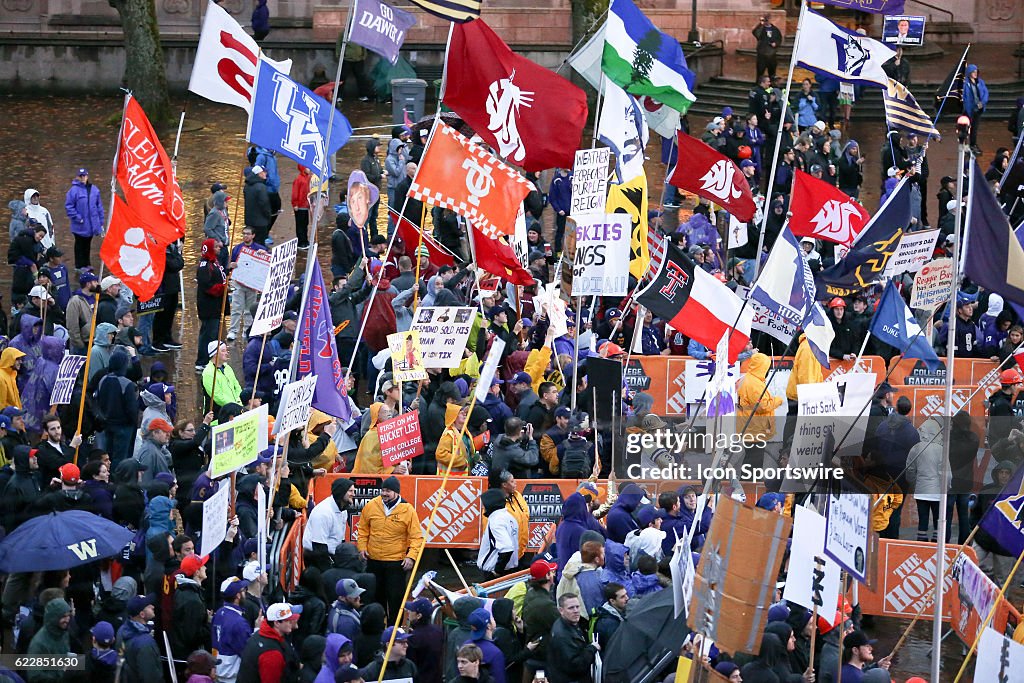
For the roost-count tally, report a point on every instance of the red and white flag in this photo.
(458, 175)
(132, 252)
(711, 175)
(146, 177)
(498, 258)
(227, 60)
(411, 236)
(531, 115)
(692, 301)
(824, 212)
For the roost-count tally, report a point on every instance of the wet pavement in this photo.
(45, 140)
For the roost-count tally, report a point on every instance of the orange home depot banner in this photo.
(872, 364)
(966, 371)
(906, 577)
(660, 376)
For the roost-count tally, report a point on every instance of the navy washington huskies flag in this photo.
(695, 303)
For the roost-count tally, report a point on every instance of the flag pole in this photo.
(940, 547)
(945, 97)
(778, 139)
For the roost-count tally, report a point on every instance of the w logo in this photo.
(84, 550)
(298, 110)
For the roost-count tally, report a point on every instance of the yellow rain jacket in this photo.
(389, 536)
(451, 449)
(327, 458)
(806, 368)
(368, 457)
(9, 395)
(751, 386)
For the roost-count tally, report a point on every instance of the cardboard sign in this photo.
(813, 579)
(270, 309)
(765, 320)
(848, 532)
(997, 657)
(932, 285)
(67, 374)
(490, 367)
(253, 268)
(239, 442)
(406, 357)
(296, 405)
(400, 438)
(589, 181)
(443, 332)
(915, 249)
(601, 264)
(215, 520)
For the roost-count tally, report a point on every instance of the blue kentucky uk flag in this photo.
(293, 120)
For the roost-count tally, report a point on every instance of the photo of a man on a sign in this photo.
(406, 357)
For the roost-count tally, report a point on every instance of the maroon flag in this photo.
(822, 211)
(533, 117)
(498, 258)
(711, 175)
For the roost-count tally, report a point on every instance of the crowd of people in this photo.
(136, 457)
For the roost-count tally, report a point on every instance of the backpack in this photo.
(575, 462)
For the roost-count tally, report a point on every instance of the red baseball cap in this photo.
(191, 564)
(541, 568)
(70, 474)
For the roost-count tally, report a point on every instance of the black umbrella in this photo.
(61, 540)
(450, 118)
(648, 640)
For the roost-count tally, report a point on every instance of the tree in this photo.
(144, 72)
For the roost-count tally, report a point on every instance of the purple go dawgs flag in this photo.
(874, 6)
(318, 353)
(380, 27)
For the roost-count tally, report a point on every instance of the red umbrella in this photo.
(326, 90)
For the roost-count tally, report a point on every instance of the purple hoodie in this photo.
(35, 395)
(335, 641)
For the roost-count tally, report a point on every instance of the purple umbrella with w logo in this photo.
(61, 540)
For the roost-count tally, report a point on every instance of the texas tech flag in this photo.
(458, 175)
(824, 212)
(146, 177)
(532, 116)
(695, 303)
(715, 177)
(132, 252)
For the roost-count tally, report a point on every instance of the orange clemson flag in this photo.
(457, 174)
(132, 252)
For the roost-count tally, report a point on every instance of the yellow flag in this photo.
(631, 198)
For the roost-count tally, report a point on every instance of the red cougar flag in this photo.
(132, 252)
(531, 115)
(711, 175)
(458, 175)
(146, 177)
(410, 236)
(695, 303)
(498, 258)
(824, 212)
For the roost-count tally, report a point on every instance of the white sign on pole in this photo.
(916, 248)
(589, 181)
(807, 559)
(997, 657)
(215, 520)
(67, 373)
(848, 531)
(697, 374)
(766, 321)
(489, 368)
(444, 331)
(601, 265)
(270, 309)
(682, 571)
(261, 527)
(253, 268)
(737, 232)
(296, 405)
(519, 243)
(931, 284)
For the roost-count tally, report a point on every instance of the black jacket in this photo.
(570, 656)
(107, 311)
(257, 202)
(174, 263)
(191, 629)
(211, 281)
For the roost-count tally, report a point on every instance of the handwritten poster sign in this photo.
(443, 332)
(296, 405)
(848, 530)
(932, 283)
(215, 520)
(270, 309)
(400, 438)
(601, 265)
(589, 181)
(253, 268)
(916, 249)
(67, 373)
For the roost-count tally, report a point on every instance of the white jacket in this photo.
(327, 524)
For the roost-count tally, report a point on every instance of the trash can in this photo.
(408, 95)
(437, 94)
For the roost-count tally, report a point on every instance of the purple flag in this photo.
(873, 6)
(318, 353)
(1004, 521)
(380, 27)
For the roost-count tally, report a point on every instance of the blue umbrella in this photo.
(61, 540)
